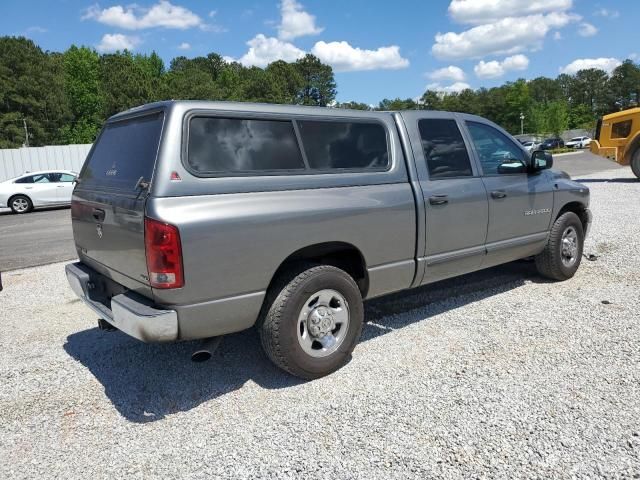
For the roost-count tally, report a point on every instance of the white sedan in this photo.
(578, 142)
(531, 146)
(37, 189)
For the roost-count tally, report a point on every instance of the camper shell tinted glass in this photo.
(125, 151)
(233, 146)
(229, 145)
(332, 144)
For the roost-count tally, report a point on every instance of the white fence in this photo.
(16, 161)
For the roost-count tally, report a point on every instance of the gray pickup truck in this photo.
(197, 219)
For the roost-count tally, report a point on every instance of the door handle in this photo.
(98, 214)
(439, 199)
(498, 194)
(59, 186)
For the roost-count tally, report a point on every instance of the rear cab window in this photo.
(444, 149)
(124, 153)
(218, 146)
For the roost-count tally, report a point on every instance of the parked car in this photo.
(578, 142)
(552, 143)
(530, 146)
(37, 189)
(196, 219)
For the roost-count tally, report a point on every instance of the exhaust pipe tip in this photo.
(206, 350)
(200, 356)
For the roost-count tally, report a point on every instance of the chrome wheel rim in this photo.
(20, 205)
(323, 323)
(569, 247)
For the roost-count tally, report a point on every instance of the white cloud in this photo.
(184, 46)
(557, 36)
(489, 11)
(133, 17)
(37, 29)
(453, 73)
(112, 42)
(587, 30)
(495, 69)
(456, 87)
(606, 64)
(296, 22)
(517, 62)
(503, 37)
(488, 69)
(633, 56)
(264, 50)
(604, 12)
(343, 57)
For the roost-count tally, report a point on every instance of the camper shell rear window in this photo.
(125, 152)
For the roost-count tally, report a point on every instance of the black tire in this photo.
(635, 162)
(279, 328)
(550, 262)
(14, 207)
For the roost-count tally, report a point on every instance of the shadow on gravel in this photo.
(146, 382)
(608, 180)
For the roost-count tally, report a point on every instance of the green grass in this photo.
(555, 151)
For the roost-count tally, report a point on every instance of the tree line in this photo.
(64, 97)
(549, 106)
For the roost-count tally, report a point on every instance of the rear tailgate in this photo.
(108, 202)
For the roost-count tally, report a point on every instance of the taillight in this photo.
(164, 254)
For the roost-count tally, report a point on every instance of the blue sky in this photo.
(377, 48)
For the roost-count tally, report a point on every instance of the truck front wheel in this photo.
(314, 322)
(561, 257)
(635, 162)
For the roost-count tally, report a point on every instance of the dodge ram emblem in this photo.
(99, 230)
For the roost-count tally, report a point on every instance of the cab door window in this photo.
(498, 155)
(66, 178)
(42, 178)
(621, 129)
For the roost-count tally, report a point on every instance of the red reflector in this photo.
(175, 176)
(164, 254)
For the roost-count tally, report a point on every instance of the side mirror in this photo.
(511, 166)
(541, 160)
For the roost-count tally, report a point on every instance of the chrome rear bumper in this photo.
(129, 312)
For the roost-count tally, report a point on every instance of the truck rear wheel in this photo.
(635, 162)
(561, 257)
(314, 321)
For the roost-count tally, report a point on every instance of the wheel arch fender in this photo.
(342, 255)
(577, 207)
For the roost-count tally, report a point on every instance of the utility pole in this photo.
(26, 132)
(522, 123)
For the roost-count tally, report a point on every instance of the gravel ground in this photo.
(497, 374)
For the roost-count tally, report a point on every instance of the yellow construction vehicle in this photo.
(618, 138)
